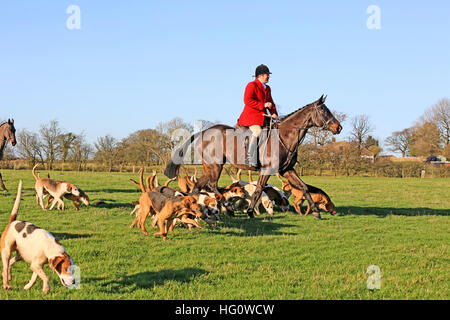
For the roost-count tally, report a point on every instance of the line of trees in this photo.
(429, 136)
(320, 151)
(52, 144)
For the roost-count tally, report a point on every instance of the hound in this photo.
(77, 200)
(165, 207)
(229, 195)
(35, 246)
(274, 193)
(249, 190)
(318, 196)
(56, 189)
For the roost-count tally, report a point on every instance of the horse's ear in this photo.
(9, 121)
(320, 101)
(12, 121)
(325, 98)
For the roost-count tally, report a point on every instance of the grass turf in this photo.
(400, 225)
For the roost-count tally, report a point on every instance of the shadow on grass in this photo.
(65, 236)
(118, 205)
(147, 280)
(384, 212)
(114, 191)
(261, 225)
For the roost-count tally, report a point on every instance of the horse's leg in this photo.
(2, 185)
(201, 183)
(262, 181)
(297, 183)
(214, 177)
(210, 178)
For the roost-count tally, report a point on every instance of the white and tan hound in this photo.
(57, 189)
(35, 246)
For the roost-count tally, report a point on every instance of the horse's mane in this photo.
(290, 114)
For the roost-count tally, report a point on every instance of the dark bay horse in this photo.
(220, 144)
(7, 133)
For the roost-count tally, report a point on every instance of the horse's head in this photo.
(323, 118)
(9, 132)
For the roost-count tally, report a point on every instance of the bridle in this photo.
(292, 152)
(325, 123)
(5, 138)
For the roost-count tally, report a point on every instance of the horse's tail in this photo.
(172, 168)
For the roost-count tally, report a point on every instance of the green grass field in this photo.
(400, 225)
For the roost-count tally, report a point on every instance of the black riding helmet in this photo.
(262, 69)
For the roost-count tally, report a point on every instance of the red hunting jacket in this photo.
(254, 98)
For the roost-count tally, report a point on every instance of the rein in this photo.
(292, 152)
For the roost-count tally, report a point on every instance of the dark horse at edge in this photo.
(7, 133)
(291, 132)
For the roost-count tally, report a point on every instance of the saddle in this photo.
(266, 125)
(266, 130)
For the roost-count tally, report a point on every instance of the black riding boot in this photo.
(252, 152)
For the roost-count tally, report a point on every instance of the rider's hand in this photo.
(268, 105)
(274, 116)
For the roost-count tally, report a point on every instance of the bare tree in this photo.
(439, 114)
(147, 147)
(167, 128)
(8, 153)
(80, 151)
(400, 141)
(29, 146)
(426, 140)
(361, 128)
(106, 150)
(50, 135)
(319, 137)
(65, 142)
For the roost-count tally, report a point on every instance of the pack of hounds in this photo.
(167, 207)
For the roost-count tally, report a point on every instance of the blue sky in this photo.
(136, 63)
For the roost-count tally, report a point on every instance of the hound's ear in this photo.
(69, 188)
(54, 262)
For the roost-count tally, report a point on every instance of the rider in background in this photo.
(258, 102)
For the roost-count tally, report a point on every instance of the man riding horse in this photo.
(258, 103)
(222, 144)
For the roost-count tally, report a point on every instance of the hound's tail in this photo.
(239, 175)
(169, 181)
(152, 181)
(34, 173)
(141, 180)
(15, 209)
(250, 177)
(279, 178)
(174, 164)
(231, 176)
